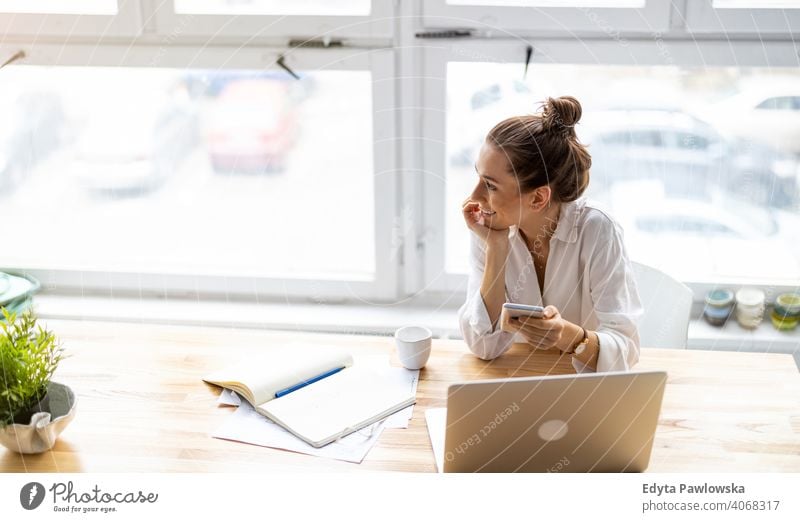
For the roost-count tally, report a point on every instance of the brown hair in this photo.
(543, 149)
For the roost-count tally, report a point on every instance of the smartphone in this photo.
(515, 310)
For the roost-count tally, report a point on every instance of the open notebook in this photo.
(316, 394)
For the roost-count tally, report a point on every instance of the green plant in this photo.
(29, 354)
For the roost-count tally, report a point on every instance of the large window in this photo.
(699, 165)
(189, 171)
(321, 150)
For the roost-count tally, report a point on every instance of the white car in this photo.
(687, 155)
(131, 149)
(764, 113)
(30, 129)
(721, 238)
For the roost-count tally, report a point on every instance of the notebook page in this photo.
(275, 370)
(328, 408)
(247, 425)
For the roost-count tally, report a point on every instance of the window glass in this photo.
(704, 184)
(275, 7)
(779, 103)
(187, 171)
(90, 7)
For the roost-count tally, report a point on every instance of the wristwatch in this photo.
(581, 346)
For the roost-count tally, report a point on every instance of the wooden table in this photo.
(143, 407)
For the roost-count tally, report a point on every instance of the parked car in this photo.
(719, 237)
(689, 157)
(210, 83)
(766, 113)
(251, 127)
(764, 174)
(685, 154)
(132, 149)
(31, 128)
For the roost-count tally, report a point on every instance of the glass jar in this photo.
(719, 305)
(786, 312)
(749, 307)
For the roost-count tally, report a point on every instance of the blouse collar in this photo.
(567, 229)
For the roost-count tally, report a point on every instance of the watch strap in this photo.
(578, 348)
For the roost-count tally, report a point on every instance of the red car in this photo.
(251, 127)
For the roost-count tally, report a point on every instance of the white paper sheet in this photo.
(396, 420)
(229, 398)
(401, 377)
(247, 425)
(436, 419)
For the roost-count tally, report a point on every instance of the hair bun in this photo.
(561, 114)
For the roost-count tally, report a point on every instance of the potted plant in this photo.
(33, 409)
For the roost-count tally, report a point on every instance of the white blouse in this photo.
(588, 277)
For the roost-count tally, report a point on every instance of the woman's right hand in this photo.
(475, 221)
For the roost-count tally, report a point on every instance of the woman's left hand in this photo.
(550, 331)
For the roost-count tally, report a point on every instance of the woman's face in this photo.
(497, 191)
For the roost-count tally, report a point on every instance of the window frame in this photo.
(409, 102)
(381, 64)
(128, 22)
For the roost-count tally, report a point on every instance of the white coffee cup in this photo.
(413, 346)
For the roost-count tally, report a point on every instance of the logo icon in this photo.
(31, 495)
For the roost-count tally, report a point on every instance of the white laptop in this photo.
(591, 422)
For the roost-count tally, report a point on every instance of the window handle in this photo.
(528, 54)
(16, 56)
(282, 64)
(446, 33)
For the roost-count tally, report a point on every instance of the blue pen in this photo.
(296, 387)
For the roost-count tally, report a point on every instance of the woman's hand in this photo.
(475, 222)
(550, 331)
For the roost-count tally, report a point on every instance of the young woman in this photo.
(536, 241)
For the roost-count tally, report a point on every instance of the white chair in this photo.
(667, 306)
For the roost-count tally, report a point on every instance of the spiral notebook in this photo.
(316, 394)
